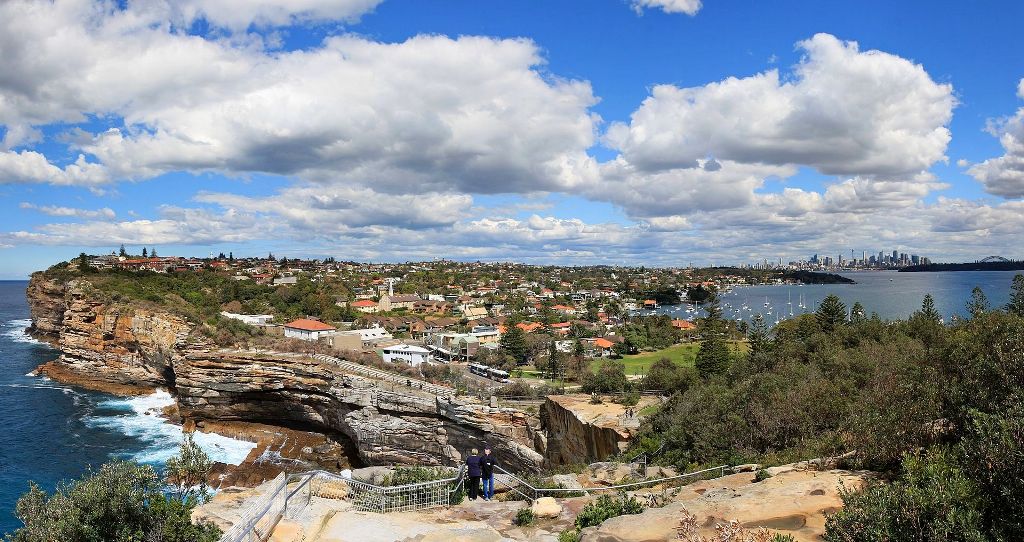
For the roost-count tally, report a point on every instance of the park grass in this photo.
(683, 355)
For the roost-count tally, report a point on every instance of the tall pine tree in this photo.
(760, 344)
(978, 304)
(928, 309)
(1016, 304)
(831, 313)
(513, 342)
(857, 313)
(713, 355)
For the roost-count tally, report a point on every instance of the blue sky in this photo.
(660, 132)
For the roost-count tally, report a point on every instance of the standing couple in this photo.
(480, 467)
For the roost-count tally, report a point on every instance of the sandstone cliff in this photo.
(581, 432)
(388, 423)
(127, 347)
(113, 347)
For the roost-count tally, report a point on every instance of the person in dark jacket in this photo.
(473, 472)
(487, 463)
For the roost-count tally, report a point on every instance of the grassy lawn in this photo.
(682, 355)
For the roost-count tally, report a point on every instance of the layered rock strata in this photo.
(581, 432)
(131, 348)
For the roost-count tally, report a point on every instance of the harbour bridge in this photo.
(993, 259)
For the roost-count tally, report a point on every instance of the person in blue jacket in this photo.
(473, 472)
(487, 463)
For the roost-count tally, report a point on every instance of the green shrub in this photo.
(933, 500)
(762, 475)
(524, 516)
(606, 507)
(569, 535)
(121, 502)
(630, 398)
(401, 476)
(459, 495)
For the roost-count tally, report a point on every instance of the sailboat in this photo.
(766, 301)
(801, 305)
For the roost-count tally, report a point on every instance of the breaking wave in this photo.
(141, 418)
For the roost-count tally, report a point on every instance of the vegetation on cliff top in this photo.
(200, 295)
(938, 409)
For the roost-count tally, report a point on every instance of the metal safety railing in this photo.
(262, 514)
(520, 486)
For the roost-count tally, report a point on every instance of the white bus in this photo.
(479, 369)
(488, 372)
(498, 374)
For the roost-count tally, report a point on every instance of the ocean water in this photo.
(51, 432)
(891, 294)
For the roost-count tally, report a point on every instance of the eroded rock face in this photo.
(581, 432)
(109, 346)
(389, 424)
(129, 348)
(46, 305)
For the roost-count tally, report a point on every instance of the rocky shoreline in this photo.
(302, 412)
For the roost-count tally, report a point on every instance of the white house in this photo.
(413, 355)
(308, 330)
(251, 319)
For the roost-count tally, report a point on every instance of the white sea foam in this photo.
(139, 417)
(16, 331)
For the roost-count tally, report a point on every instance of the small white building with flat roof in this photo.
(406, 353)
(251, 319)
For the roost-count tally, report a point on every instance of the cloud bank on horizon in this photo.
(469, 147)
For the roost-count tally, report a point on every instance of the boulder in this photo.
(546, 507)
(372, 475)
(608, 474)
(656, 525)
(568, 481)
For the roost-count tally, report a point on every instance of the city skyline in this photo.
(620, 132)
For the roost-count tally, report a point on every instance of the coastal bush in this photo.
(120, 502)
(630, 398)
(762, 475)
(571, 534)
(606, 507)
(933, 500)
(609, 378)
(188, 472)
(524, 516)
(401, 476)
(199, 295)
(823, 385)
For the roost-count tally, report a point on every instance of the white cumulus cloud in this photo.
(689, 7)
(1004, 175)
